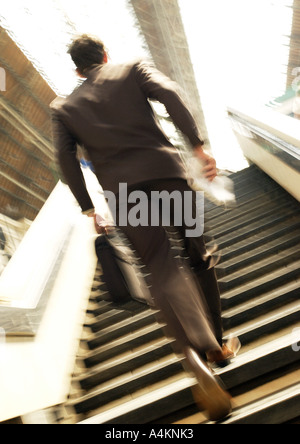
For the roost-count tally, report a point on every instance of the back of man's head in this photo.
(87, 51)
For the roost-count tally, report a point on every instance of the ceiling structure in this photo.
(161, 24)
(27, 171)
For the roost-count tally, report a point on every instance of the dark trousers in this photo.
(184, 290)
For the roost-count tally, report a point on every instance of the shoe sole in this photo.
(208, 394)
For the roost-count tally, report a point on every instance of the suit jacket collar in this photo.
(94, 68)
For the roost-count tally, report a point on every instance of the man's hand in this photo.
(101, 225)
(210, 165)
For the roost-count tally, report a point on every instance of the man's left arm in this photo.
(66, 152)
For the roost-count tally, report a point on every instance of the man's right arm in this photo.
(159, 87)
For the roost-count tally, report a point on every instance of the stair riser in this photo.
(258, 290)
(123, 348)
(105, 338)
(260, 309)
(130, 364)
(269, 328)
(275, 414)
(254, 257)
(260, 366)
(99, 400)
(261, 240)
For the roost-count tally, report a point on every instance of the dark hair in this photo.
(86, 51)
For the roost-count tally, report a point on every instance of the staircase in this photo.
(126, 370)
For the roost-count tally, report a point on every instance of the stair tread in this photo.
(133, 375)
(236, 373)
(147, 400)
(262, 299)
(260, 325)
(269, 410)
(258, 285)
(259, 239)
(121, 328)
(130, 382)
(240, 234)
(273, 247)
(138, 336)
(257, 203)
(282, 257)
(253, 399)
(260, 360)
(128, 360)
(242, 221)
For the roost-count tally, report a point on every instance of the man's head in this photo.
(87, 51)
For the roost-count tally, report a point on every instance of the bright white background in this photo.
(238, 48)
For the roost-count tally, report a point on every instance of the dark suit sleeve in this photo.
(159, 87)
(66, 152)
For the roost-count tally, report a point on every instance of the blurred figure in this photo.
(110, 115)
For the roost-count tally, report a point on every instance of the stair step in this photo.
(264, 359)
(260, 268)
(253, 186)
(115, 315)
(121, 346)
(107, 319)
(279, 408)
(243, 221)
(238, 235)
(268, 324)
(121, 329)
(252, 178)
(132, 382)
(103, 307)
(251, 257)
(261, 305)
(272, 199)
(127, 362)
(254, 182)
(99, 308)
(176, 396)
(150, 406)
(260, 239)
(261, 285)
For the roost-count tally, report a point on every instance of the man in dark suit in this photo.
(110, 115)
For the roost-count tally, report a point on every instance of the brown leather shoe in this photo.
(222, 358)
(208, 393)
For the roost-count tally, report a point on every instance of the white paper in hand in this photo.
(220, 190)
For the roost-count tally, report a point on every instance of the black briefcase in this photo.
(121, 274)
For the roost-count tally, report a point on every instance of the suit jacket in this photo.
(110, 115)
